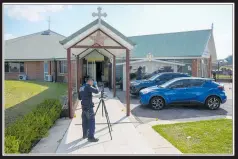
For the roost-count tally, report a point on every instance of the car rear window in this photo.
(196, 82)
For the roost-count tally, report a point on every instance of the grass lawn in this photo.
(227, 67)
(22, 96)
(223, 77)
(203, 137)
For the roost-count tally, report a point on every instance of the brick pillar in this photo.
(81, 71)
(194, 67)
(210, 67)
(128, 110)
(70, 103)
(78, 72)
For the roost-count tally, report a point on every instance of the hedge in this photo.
(22, 135)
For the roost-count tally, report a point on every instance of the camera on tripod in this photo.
(102, 91)
(104, 109)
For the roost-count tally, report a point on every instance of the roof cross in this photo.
(49, 23)
(99, 14)
(149, 57)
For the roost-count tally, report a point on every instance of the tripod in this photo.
(105, 111)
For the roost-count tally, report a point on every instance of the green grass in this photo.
(227, 67)
(22, 96)
(223, 76)
(207, 137)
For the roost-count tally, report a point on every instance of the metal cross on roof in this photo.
(99, 38)
(149, 56)
(49, 23)
(99, 14)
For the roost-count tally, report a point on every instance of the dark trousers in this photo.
(88, 123)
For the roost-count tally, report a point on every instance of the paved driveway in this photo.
(146, 115)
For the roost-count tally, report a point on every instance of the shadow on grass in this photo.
(54, 90)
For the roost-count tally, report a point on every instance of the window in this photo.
(21, 66)
(14, 67)
(63, 66)
(196, 82)
(180, 84)
(165, 77)
(7, 67)
(168, 77)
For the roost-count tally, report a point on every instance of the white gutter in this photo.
(159, 61)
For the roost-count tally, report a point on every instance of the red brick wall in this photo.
(64, 76)
(194, 67)
(11, 76)
(34, 71)
(73, 73)
(210, 67)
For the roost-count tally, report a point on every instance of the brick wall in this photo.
(194, 67)
(11, 76)
(63, 77)
(73, 73)
(33, 69)
(210, 67)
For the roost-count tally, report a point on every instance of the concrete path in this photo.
(126, 139)
(49, 144)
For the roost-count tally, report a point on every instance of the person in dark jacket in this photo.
(214, 76)
(88, 118)
(139, 73)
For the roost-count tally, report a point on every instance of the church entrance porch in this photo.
(94, 42)
(97, 66)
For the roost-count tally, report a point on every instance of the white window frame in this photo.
(62, 65)
(46, 72)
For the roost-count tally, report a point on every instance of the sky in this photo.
(130, 20)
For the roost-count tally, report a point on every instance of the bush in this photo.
(25, 132)
(132, 75)
(11, 144)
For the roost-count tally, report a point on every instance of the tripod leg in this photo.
(98, 107)
(108, 121)
(102, 108)
(107, 117)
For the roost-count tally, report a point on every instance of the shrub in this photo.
(25, 132)
(11, 144)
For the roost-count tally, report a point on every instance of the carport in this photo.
(101, 37)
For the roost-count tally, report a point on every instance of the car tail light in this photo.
(221, 88)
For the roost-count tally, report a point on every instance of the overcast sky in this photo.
(130, 20)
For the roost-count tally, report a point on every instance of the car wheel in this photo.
(213, 102)
(157, 103)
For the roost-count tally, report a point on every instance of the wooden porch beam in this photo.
(78, 72)
(99, 47)
(114, 76)
(127, 83)
(70, 103)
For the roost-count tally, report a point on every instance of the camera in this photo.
(101, 85)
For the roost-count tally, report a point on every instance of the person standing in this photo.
(139, 73)
(88, 117)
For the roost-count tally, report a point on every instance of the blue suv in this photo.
(185, 90)
(157, 79)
